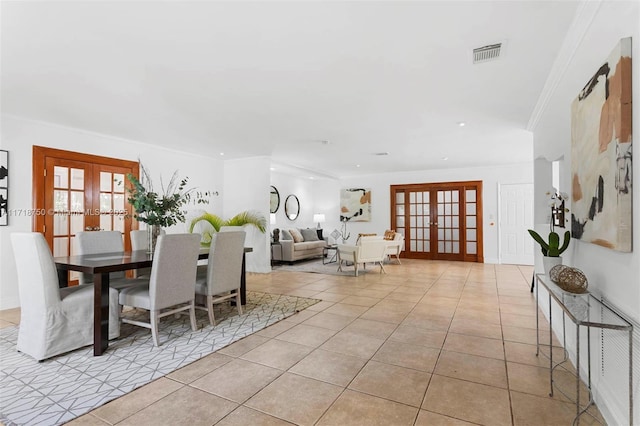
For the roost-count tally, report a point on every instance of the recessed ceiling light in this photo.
(222, 153)
(272, 168)
(311, 177)
(461, 123)
(445, 158)
(325, 142)
(357, 165)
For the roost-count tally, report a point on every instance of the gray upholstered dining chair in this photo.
(170, 288)
(53, 320)
(223, 273)
(100, 242)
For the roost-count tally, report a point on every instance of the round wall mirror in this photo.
(275, 200)
(292, 207)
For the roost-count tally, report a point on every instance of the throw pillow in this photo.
(285, 235)
(389, 234)
(297, 236)
(309, 234)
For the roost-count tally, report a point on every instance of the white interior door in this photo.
(516, 216)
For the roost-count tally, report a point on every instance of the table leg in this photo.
(243, 281)
(100, 313)
(63, 278)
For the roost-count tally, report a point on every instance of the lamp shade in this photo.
(319, 217)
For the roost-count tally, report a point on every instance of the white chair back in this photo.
(372, 250)
(98, 242)
(37, 275)
(173, 272)
(140, 239)
(225, 261)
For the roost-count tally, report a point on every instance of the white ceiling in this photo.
(278, 78)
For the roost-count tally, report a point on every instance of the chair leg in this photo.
(382, 268)
(398, 259)
(238, 302)
(340, 265)
(155, 321)
(192, 315)
(355, 267)
(212, 319)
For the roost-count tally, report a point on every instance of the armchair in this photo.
(368, 250)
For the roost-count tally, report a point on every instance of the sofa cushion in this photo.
(309, 234)
(308, 245)
(285, 235)
(297, 236)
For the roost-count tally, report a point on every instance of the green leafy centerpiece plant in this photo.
(161, 209)
(252, 218)
(551, 248)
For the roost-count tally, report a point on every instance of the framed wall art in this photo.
(4, 188)
(355, 204)
(601, 155)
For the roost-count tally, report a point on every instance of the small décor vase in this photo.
(549, 262)
(153, 231)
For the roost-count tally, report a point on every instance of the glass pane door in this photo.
(448, 223)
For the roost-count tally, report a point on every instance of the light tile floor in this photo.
(428, 343)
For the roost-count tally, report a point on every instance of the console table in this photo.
(587, 311)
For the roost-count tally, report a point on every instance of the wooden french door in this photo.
(79, 192)
(439, 220)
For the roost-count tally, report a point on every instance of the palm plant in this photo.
(253, 218)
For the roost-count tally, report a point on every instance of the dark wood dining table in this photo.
(100, 265)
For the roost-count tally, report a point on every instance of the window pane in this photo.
(471, 208)
(105, 202)
(471, 248)
(447, 196)
(412, 244)
(399, 197)
(454, 209)
(400, 221)
(440, 209)
(441, 234)
(427, 247)
(456, 222)
(118, 202)
(419, 211)
(420, 233)
(447, 209)
(412, 197)
(420, 246)
(118, 223)
(425, 196)
(425, 221)
(105, 181)
(447, 247)
(447, 221)
(61, 200)
(105, 222)
(456, 247)
(471, 195)
(440, 197)
(118, 182)
(60, 177)
(412, 209)
(455, 196)
(440, 246)
(412, 233)
(412, 221)
(60, 246)
(471, 235)
(77, 223)
(456, 234)
(77, 179)
(471, 221)
(77, 201)
(60, 224)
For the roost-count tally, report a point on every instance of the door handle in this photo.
(92, 228)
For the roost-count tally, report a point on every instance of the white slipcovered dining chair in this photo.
(367, 250)
(140, 241)
(171, 284)
(101, 242)
(53, 320)
(223, 273)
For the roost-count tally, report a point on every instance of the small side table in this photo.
(325, 254)
(276, 248)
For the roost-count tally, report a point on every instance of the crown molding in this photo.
(585, 13)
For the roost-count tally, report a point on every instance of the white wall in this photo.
(610, 273)
(318, 195)
(18, 137)
(490, 176)
(246, 187)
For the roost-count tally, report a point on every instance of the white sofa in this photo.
(291, 251)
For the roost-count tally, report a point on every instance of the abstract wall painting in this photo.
(601, 155)
(4, 188)
(355, 205)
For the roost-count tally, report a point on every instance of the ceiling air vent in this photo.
(486, 53)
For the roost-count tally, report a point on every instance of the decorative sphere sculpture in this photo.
(569, 279)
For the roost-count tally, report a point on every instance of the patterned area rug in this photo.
(59, 389)
(316, 266)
